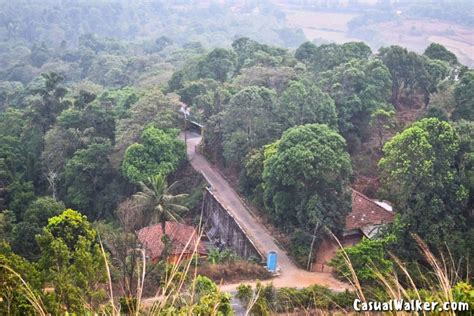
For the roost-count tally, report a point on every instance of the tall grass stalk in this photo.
(109, 280)
(30, 295)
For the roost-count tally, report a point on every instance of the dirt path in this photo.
(290, 274)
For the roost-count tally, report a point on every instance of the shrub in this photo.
(234, 271)
(367, 257)
(300, 243)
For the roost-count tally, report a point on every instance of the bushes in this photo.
(313, 297)
(234, 271)
(265, 299)
(300, 246)
(160, 152)
(367, 257)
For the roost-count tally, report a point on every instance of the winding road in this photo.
(289, 274)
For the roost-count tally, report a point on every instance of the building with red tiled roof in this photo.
(367, 215)
(185, 241)
(365, 219)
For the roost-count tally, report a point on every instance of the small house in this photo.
(365, 219)
(185, 241)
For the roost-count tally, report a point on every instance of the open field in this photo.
(411, 33)
(321, 25)
(417, 34)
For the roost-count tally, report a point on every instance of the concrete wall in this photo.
(222, 227)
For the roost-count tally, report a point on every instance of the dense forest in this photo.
(90, 149)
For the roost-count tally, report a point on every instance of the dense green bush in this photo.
(160, 152)
(368, 258)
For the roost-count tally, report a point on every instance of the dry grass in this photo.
(436, 285)
(179, 290)
(233, 272)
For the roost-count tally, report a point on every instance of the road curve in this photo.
(290, 275)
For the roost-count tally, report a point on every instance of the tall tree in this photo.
(89, 181)
(359, 88)
(250, 122)
(464, 97)
(218, 64)
(304, 104)
(306, 179)
(72, 262)
(160, 152)
(35, 218)
(409, 75)
(43, 112)
(439, 52)
(421, 175)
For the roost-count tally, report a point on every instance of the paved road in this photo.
(290, 274)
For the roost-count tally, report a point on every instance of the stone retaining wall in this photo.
(224, 229)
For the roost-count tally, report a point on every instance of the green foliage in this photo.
(305, 104)
(327, 56)
(120, 99)
(439, 52)
(464, 292)
(20, 195)
(251, 53)
(409, 75)
(71, 260)
(94, 120)
(300, 247)
(465, 131)
(419, 167)
(157, 203)
(13, 297)
(160, 152)
(205, 300)
(269, 300)
(306, 52)
(192, 89)
(306, 179)
(153, 108)
(359, 88)
(89, 183)
(368, 258)
(35, 218)
(43, 111)
(216, 256)
(382, 121)
(250, 122)
(312, 298)
(7, 220)
(218, 64)
(464, 97)
(244, 293)
(250, 180)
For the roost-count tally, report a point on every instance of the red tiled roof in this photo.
(366, 212)
(183, 238)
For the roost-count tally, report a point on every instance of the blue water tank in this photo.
(272, 261)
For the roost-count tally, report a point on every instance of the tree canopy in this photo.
(160, 152)
(421, 174)
(306, 179)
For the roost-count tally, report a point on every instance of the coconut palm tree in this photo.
(157, 203)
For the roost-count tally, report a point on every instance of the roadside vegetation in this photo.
(90, 153)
